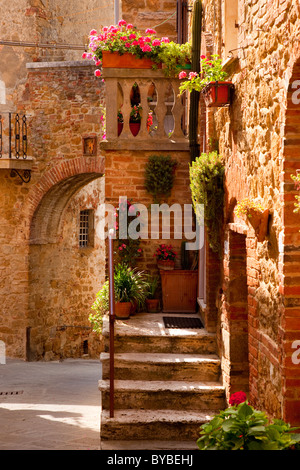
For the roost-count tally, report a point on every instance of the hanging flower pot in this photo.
(120, 127)
(122, 310)
(126, 61)
(259, 221)
(218, 94)
(134, 127)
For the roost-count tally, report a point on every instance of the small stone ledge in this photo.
(60, 64)
(238, 228)
(137, 145)
(16, 163)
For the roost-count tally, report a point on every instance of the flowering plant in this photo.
(241, 427)
(165, 252)
(124, 38)
(243, 207)
(135, 115)
(211, 71)
(237, 398)
(127, 249)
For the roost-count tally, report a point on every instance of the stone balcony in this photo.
(157, 94)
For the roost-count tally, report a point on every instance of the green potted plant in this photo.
(130, 288)
(256, 215)
(210, 81)
(152, 302)
(242, 427)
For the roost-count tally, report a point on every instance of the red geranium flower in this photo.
(237, 398)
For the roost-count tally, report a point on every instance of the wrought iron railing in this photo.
(14, 126)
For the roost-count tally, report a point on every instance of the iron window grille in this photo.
(86, 228)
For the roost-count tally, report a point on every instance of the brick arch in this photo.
(51, 194)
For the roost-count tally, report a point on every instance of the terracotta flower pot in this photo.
(166, 264)
(120, 127)
(217, 94)
(122, 310)
(127, 61)
(134, 127)
(152, 305)
(259, 221)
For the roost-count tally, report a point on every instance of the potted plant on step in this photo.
(152, 302)
(130, 286)
(210, 81)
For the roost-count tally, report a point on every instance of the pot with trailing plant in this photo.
(256, 215)
(217, 92)
(152, 302)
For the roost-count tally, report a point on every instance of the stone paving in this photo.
(50, 405)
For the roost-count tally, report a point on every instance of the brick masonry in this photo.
(258, 137)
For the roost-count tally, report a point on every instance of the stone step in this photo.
(172, 395)
(146, 333)
(148, 425)
(150, 366)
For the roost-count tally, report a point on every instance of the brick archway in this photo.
(53, 191)
(63, 278)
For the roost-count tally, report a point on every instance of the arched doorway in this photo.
(66, 267)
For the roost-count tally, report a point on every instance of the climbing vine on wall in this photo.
(159, 176)
(207, 188)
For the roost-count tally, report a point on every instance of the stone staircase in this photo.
(167, 381)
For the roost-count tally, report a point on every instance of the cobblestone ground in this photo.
(50, 405)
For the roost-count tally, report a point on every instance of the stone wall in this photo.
(47, 281)
(159, 15)
(251, 136)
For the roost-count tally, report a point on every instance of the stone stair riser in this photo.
(163, 371)
(156, 400)
(145, 431)
(163, 344)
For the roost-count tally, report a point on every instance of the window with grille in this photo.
(85, 228)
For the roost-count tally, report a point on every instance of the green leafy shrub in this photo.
(159, 176)
(207, 188)
(241, 427)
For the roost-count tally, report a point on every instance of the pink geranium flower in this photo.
(97, 73)
(150, 31)
(182, 74)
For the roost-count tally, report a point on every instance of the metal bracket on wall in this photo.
(26, 177)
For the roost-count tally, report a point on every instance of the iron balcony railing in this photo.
(13, 135)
